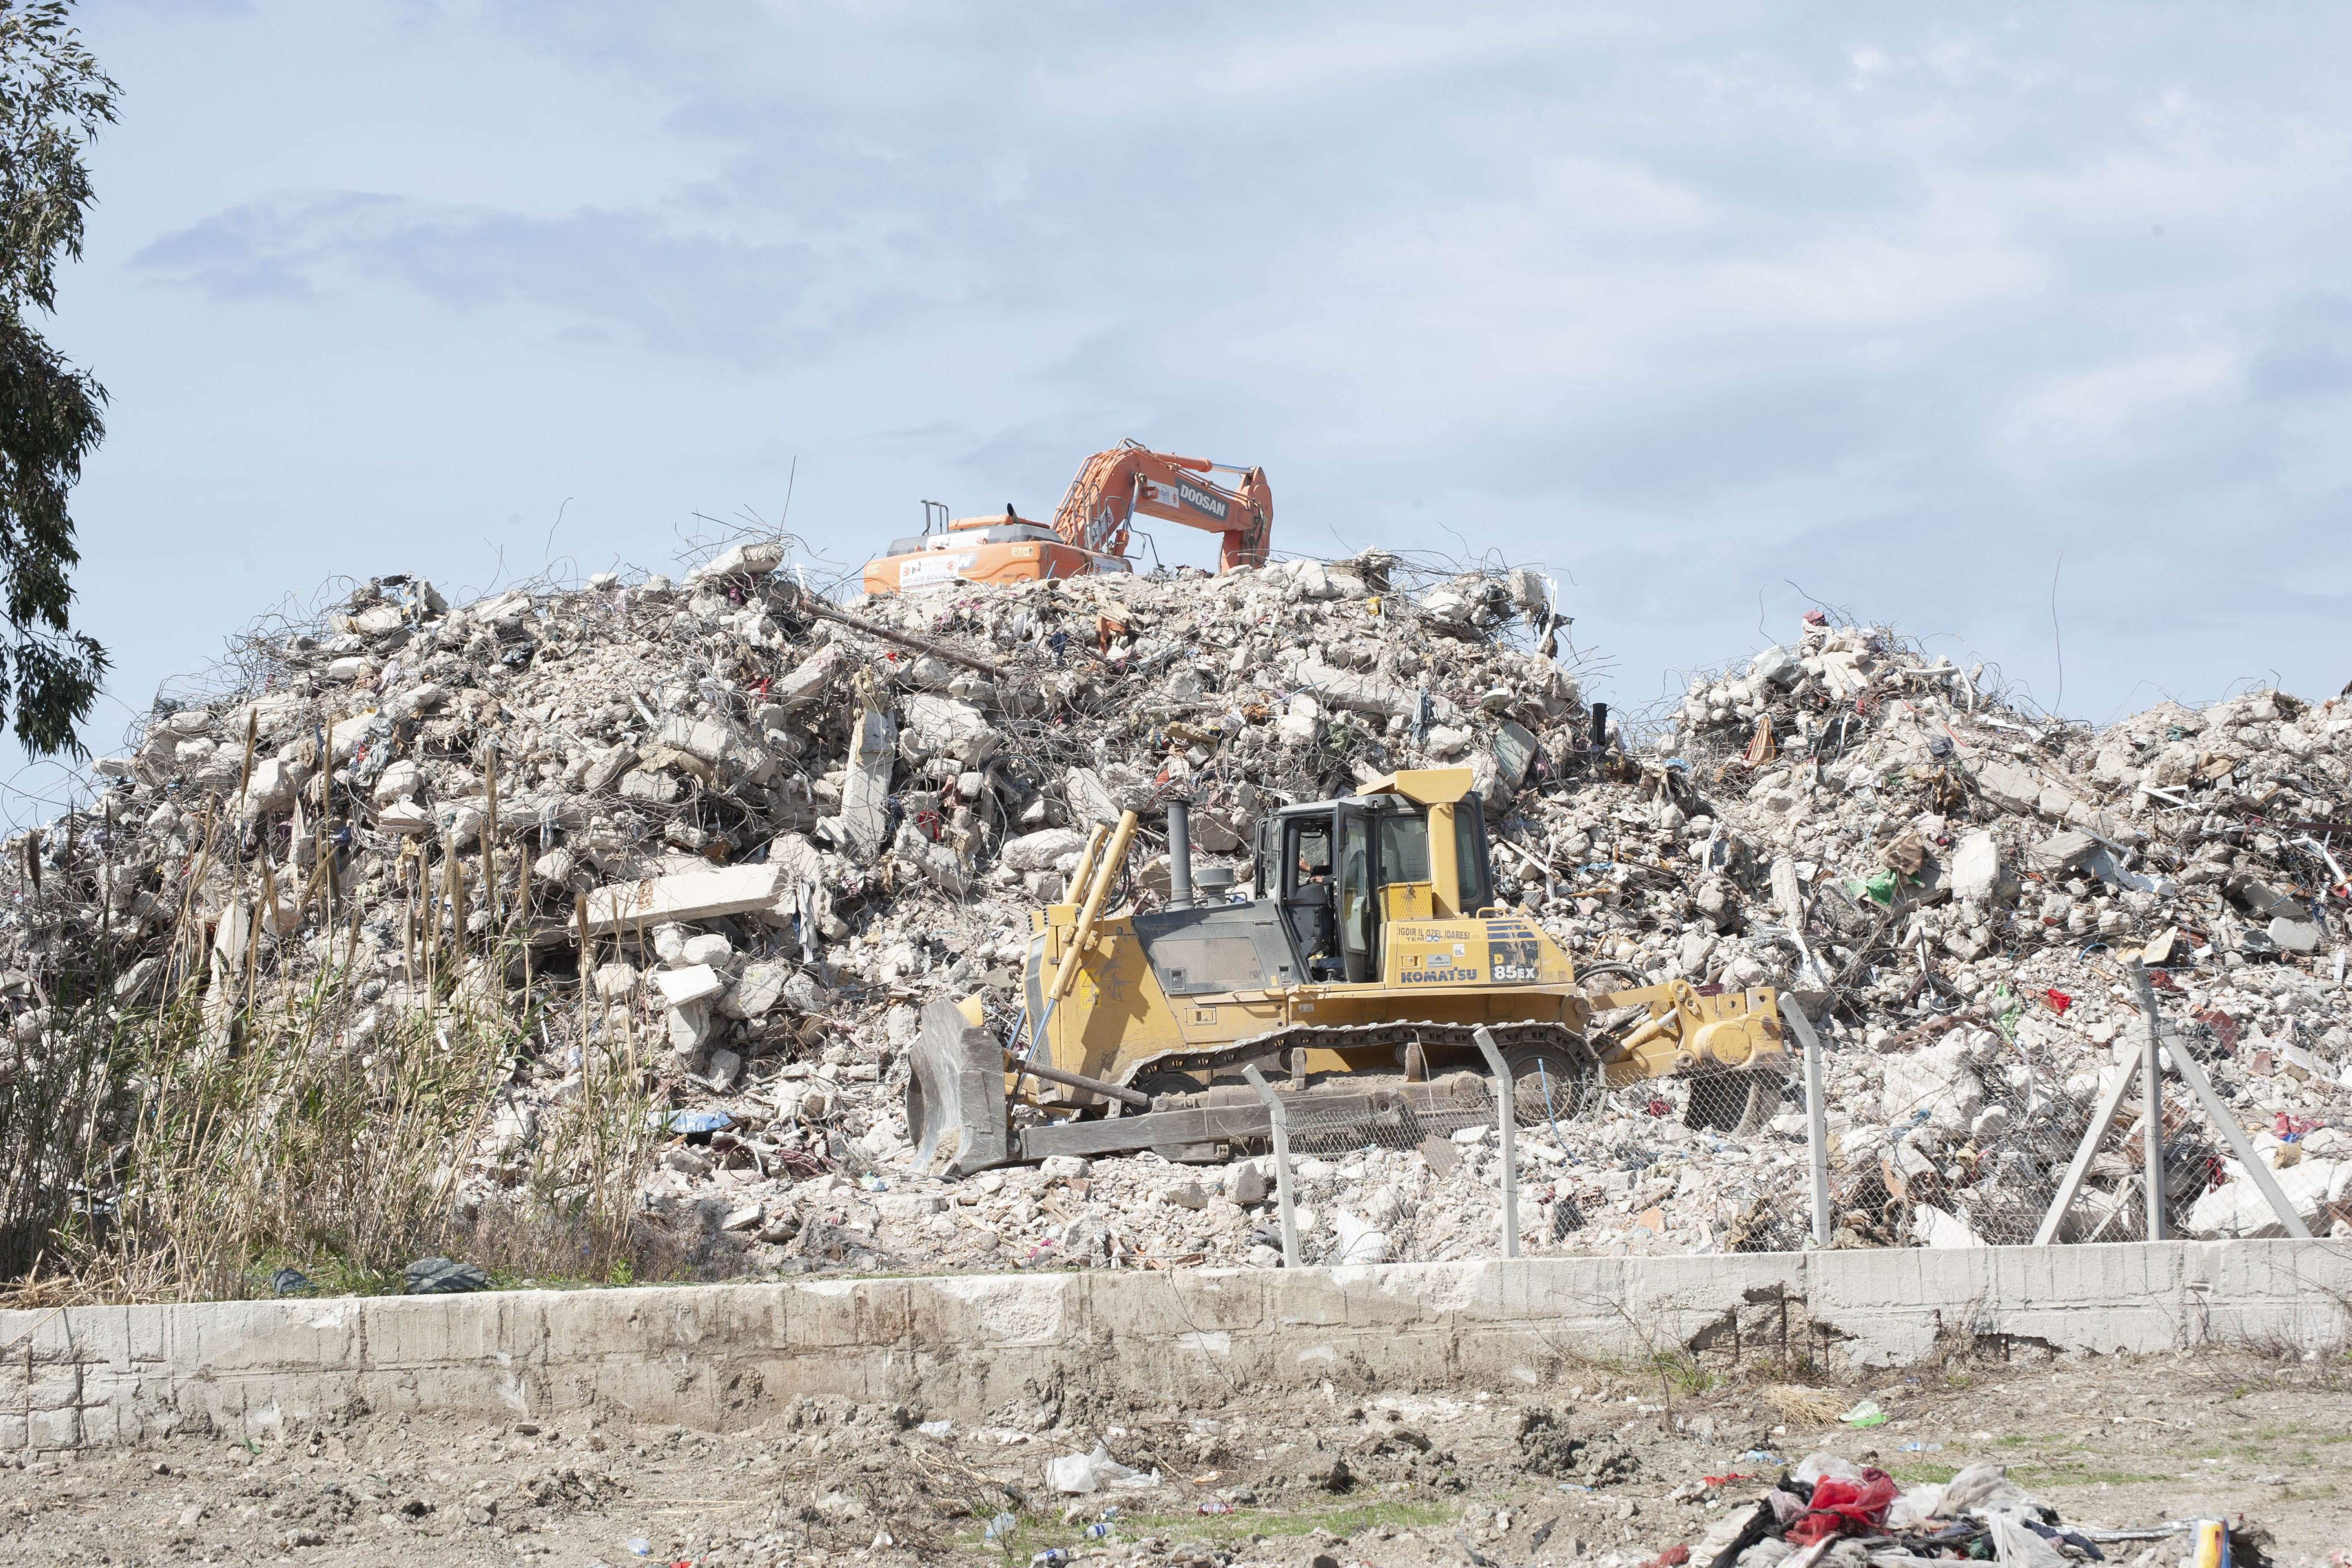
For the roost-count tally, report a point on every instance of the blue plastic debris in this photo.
(694, 1121)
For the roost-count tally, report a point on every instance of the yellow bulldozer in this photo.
(1367, 954)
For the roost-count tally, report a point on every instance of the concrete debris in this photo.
(786, 827)
(682, 896)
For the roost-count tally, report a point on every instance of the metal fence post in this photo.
(2151, 1095)
(1817, 1136)
(2185, 1063)
(1280, 1115)
(1507, 1123)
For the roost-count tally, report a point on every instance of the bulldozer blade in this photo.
(955, 1096)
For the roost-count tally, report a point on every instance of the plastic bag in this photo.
(1839, 1506)
(1359, 1241)
(1981, 1489)
(1816, 1467)
(1082, 1473)
(1917, 1509)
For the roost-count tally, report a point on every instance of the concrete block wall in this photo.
(726, 1356)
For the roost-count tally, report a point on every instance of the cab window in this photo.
(1310, 852)
(1404, 849)
(1470, 857)
(1356, 908)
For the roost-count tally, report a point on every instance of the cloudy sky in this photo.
(1714, 312)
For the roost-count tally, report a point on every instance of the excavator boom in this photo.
(1114, 487)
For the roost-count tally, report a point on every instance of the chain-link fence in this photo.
(1961, 1140)
(1963, 1133)
(1967, 1134)
(1430, 1172)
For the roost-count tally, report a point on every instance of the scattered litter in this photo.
(1082, 1473)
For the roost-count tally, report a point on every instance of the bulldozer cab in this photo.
(1342, 869)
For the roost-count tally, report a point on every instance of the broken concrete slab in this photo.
(689, 1027)
(608, 766)
(758, 992)
(1362, 693)
(865, 793)
(696, 982)
(713, 742)
(1515, 753)
(1976, 867)
(937, 863)
(751, 558)
(1090, 800)
(2008, 786)
(1040, 851)
(682, 896)
(1788, 891)
(932, 725)
(2062, 851)
(808, 681)
(2296, 935)
(269, 789)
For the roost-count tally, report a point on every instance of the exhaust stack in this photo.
(1179, 854)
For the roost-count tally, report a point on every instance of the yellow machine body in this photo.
(1129, 998)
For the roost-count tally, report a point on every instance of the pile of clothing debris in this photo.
(1830, 1509)
(761, 829)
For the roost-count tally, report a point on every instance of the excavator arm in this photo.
(1130, 480)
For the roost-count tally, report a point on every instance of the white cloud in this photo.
(1687, 302)
(2097, 410)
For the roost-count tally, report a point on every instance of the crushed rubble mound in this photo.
(766, 828)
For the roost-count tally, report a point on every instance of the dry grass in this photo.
(187, 1149)
(1814, 1407)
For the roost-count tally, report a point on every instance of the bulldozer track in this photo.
(1725, 1097)
(1356, 1037)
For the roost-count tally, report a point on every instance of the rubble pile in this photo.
(1962, 885)
(767, 828)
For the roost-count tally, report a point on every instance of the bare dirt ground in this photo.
(1613, 1470)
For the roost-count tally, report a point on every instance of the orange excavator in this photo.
(1091, 528)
